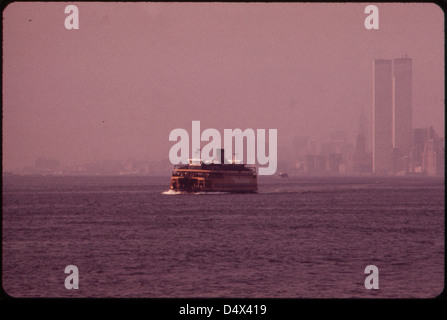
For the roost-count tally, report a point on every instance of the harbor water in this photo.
(298, 237)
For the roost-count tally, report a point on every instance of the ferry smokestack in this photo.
(221, 155)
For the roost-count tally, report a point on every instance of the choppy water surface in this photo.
(296, 238)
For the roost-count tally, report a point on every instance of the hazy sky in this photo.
(132, 72)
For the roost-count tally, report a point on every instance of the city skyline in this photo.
(337, 156)
(116, 87)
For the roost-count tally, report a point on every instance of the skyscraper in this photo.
(392, 115)
(402, 115)
(382, 116)
(361, 160)
(361, 134)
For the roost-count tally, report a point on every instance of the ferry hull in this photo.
(235, 185)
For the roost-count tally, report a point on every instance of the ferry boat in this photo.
(199, 176)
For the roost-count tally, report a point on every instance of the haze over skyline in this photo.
(133, 72)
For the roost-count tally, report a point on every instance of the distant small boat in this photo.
(283, 175)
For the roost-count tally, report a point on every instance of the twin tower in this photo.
(392, 115)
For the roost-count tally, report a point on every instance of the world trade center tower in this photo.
(402, 115)
(382, 116)
(392, 115)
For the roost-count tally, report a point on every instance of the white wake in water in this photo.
(173, 192)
